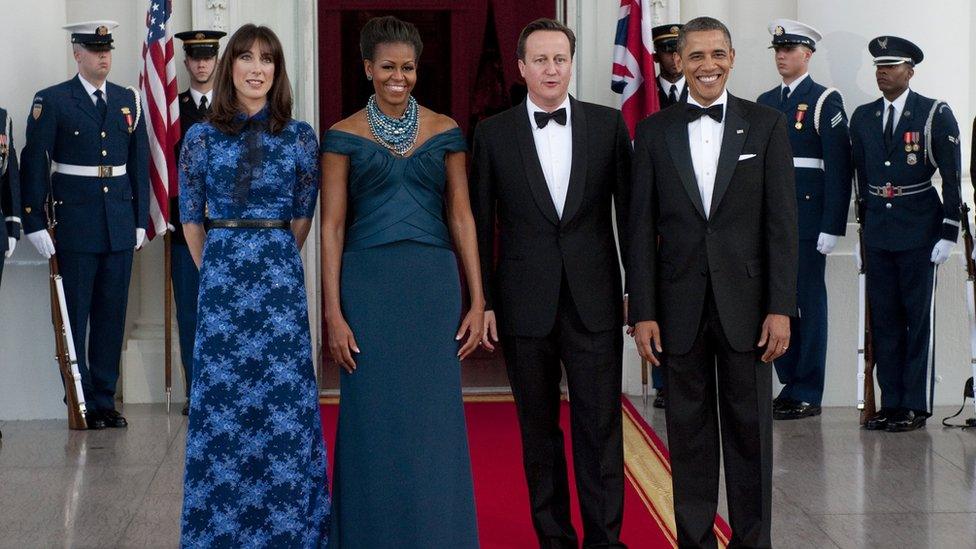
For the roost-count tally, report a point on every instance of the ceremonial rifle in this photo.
(63, 338)
(865, 350)
(967, 239)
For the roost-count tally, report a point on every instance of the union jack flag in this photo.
(157, 84)
(633, 63)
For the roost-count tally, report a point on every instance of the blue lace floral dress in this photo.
(255, 457)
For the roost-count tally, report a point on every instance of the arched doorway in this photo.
(467, 70)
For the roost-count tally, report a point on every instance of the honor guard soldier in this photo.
(9, 190)
(671, 86)
(87, 147)
(899, 141)
(822, 166)
(201, 49)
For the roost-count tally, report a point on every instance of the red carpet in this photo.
(501, 495)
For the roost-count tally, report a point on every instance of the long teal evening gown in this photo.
(402, 475)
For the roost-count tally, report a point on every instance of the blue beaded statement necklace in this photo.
(396, 134)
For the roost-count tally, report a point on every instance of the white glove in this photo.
(140, 237)
(170, 227)
(941, 251)
(11, 245)
(857, 256)
(826, 243)
(42, 242)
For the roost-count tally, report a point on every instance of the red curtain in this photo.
(511, 16)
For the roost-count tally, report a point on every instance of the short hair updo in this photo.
(388, 30)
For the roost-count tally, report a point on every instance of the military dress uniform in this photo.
(907, 228)
(822, 167)
(9, 190)
(89, 148)
(194, 107)
(665, 39)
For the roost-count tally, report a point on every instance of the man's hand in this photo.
(42, 242)
(11, 245)
(140, 238)
(490, 331)
(647, 335)
(775, 336)
(826, 243)
(941, 251)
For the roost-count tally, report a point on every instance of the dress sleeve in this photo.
(307, 173)
(454, 140)
(193, 175)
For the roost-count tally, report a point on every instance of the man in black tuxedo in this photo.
(551, 169)
(713, 180)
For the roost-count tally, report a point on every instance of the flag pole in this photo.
(168, 321)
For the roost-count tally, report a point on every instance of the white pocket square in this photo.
(745, 157)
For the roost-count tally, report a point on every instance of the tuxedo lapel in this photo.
(577, 174)
(733, 138)
(84, 101)
(531, 165)
(678, 146)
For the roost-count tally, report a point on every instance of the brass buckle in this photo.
(105, 171)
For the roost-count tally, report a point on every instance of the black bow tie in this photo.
(542, 118)
(695, 112)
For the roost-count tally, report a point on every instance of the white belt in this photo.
(88, 171)
(813, 163)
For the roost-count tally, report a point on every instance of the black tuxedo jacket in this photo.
(746, 246)
(535, 246)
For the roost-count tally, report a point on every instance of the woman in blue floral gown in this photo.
(396, 208)
(255, 457)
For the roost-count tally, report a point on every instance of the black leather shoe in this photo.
(798, 410)
(880, 420)
(780, 403)
(908, 421)
(186, 408)
(661, 399)
(95, 421)
(114, 419)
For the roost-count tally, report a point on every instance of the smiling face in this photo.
(394, 73)
(94, 66)
(792, 61)
(893, 79)
(547, 67)
(254, 71)
(706, 60)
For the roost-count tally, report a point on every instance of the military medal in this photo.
(909, 139)
(3, 146)
(916, 139)
(128, 118)
(801, 112)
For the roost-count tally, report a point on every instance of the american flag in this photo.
(157, 83)
(633, 63)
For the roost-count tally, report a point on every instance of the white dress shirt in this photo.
(793, 85)
(197, 95)
(666, 86)
(705, 139)
(899, 104)
(90, 88)
(554, 145)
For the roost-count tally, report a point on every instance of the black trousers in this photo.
(717, 395)
(593, 363)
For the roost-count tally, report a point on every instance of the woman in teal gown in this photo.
(402, 475)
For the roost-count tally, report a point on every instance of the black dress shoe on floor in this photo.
(95, 421)
(880, 420)
(908, 421)
(780, 403)
(661, 399)
(186, 408)
(114, 419)
(798, 410)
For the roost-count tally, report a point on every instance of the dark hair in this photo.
(225, 108)
(700, 24)
(544, 24)
(388, 30)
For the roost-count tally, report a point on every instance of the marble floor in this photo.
(834, 485)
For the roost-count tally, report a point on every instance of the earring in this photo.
(369, 77)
